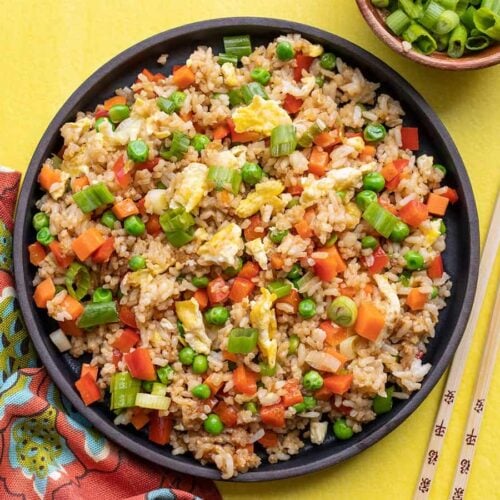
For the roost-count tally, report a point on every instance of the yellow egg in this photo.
(263, 318)
(188, 312)
(190, 186)
(266, 193)
(223, 247)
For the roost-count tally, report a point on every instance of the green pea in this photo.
(374, 181)
(44, 236)
(300, 407)
(295, 272)
(251, 173)
(200, 281)
(320, 81)
(217, 315)
(147, 385)
(260, 75)
(136, 263)
(102, 295)
(165, 374)
(440, 167)
(343, 311)
(178, 99)
(186, 356)
(400, 231)
(405, 277)
(201, 391)
(180, 328)
(251, 407)
(108, 219)
(442, 227)
(266, 370)
(118, 113)
(284, 51)
(200, 142)
(213, 424)
(307, 308)
(374, 132)
(341, 430)
(134, 226)
(369, 242)
(328, 61)
(40, 220)
(100, 121)
(382, 404)
(312, 380)
(414, 260)
(435, 292)
(137, 151)
(200, 364)
(309, 402)
(232, 271)
(277, 236)
(364, 198)
(293, 344)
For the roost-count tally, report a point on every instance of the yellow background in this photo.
(49, 47)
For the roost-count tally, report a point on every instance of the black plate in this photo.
(461, 256)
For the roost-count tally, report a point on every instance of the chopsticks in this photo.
(476, 410)
(457, 368)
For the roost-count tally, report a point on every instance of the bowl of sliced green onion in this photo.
(446, 34)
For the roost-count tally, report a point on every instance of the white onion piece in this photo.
(255, 437)
(323, 361)
(348, 347)
(60, 340)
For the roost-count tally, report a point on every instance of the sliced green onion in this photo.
(44, 236)
(158, 389)
(176, 219)
(381, 4)
(493, 5)
(431, 14)
(443, 42)
(56, 161)
(252, 89)
(304, 280)
(166, 105)
(165, 374)
(307, 138)
(397, 22)
(280, 288)
(420, 38)
(178, 146)
(102, 295)
(458, 39)
(467, 18)
(200, 142)
(446, 22)
(77, 274)
(331, 240)
(92, 197)
(477, 42)
(283, 140)
(412, 10)
(238, 46)
(181, 237)
(380, 219)
(488, 22)
(124, 389)
(225, 178)
(151, 402)
(449, 4)
(227, 58)
(242, 340)
(260, 75)
(235, 97)
(100, 313)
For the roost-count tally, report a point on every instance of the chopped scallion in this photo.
(238, 46)
(283, 140)
(98, 313)
(380, 219)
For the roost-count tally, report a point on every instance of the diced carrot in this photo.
(122, 177)
(114, 101)
(62, 260)
(255, 229)
(140, 418)
(153, 226)
(224, 197)
(87, 243)
(318, 162)
(88, 389)
(126, 340)
(79, 183)
(44, 292)
(414, 213)
(104, 252)
(436, 204)
(292, 394)
(327, 140)
(69, 327)
(303, 229)
(250, 448)
(436, 269)
(416, 300)
(368, 288)
(245, 380)
(277, 261)
(389, 171)
(140, 364)
(48, 176)
(273, 415)
(187, 117)
(241, 137)
(348, 291)
(72, 307)
(249, 270)
(341, 265)
(175, 67)
(334, 334)
(183, 77)
(220, 132)
(227, 414)
(323, 394)
(214, 386)
(338, 384)
(380, 261)
(327, 267)
(409, 138)
(125, 208)
(202, 298)
(451, 194)
(353, 134)
(295, 190)
(302, 62)
(369, 322)
(269, 439)
(147, 74)
(293, 299)
(127, 316)
(240, 289)
(229, 356)
(218, 290)
(37, 253)
(367, 153)
(160, 428)
(292, 104)
(87, 368)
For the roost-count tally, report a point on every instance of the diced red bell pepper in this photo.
(436, 269)
(328, 267)
(148, 164)
(451, 194)
(301, 62)
(122, 177)
(160, 428)
(116, 357)
(88, 389)
(126, 340)
(62, 259)
(380, 261)
(104, 252)
(245, 380)
(273, 415)
(140, 365)
(218, 290)
(99, 113)
(269, 439)
(409, 138)
(153, 226)
(227, 414)
(292, 395)
(240, 289)
(338, 384)
(255, 229)
(249, 270)
(414, 213)
(292, 104)
(127, 316)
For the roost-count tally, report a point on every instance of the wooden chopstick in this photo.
(476, 410)
(457, 368)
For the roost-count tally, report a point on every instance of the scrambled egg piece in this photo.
(190, 186)
(260, 116)
(127, 131)
(265, 193)
(312, 50)
(394, 306)
(308, 83)
(57, 189)
(156, 201)
(257, 249)
(188, 312)
(356, 142)
(229, 74)
(232, 158)
(223, 247)
(430, 229)
(263, 318)
(72, 131)
(336, 179)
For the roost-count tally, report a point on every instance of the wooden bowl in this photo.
(482, 59)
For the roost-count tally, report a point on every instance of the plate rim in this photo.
(21, 264)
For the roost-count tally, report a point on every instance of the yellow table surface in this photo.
(49, 47)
